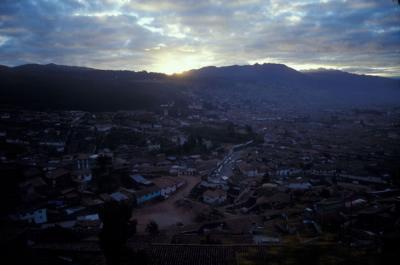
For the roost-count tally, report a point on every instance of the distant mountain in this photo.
(265, 72)
(282, 74)
(68, 87)
(279, 84)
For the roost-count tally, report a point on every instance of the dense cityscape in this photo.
(210, 176)
(212, 132)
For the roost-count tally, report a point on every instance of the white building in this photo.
(168, 185)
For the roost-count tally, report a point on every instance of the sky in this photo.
(360, 36)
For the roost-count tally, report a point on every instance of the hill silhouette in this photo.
(69, 87)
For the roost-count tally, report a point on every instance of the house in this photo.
(214, 197)
(328, 207)
(119, 196)
(204, 167)
(278, 200)
(82, 178)
(107, 153)
(73, 210)
(59, 145)
(70, 196)
(92, 203)
(153, 147)
(168, 185)
(287, 172)
(179, 139)
(120, 164)
(89, 220)
(37, 216)
(362, 180)
(59, 178)
(139, 179)
(269, 186)
(29, 189)
(355, 203)
(84, 161)
(299, 186)
(177, 170)
(147, 194)
(104, 127)
(251, 169)
(189, 171)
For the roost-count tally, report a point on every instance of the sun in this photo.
(172, 63)
(173, 67)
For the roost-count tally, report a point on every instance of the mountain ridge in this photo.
(211, 67)
(73, 87)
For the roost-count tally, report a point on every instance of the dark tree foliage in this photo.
(57, 234)
(104, 162)
(9, 193)
(396, 177)
(266, 178)
(152, 228)
(116, 230)
(102, 175)
(325, 193)
(249, 129)
(231, 129)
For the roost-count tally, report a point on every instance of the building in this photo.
(82, 178)
(59, 178)
(299, 186)
(139, 179)
(214, 197)
(84, 161)
(37, 216)
(147, 194)
(168, 185)
(177, 170)
(248, 170)
(31, 188)
(119, 196)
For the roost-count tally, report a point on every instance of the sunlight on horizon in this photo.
(176, 63)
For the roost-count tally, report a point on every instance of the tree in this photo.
(266, 178)
(102, 176)
(152, 228)
(230, 129)
(116, 230)
(325, 193)
(249, 129)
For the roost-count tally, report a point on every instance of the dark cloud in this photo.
(360, 36)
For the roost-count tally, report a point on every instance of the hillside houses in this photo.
(182, 170)
(214, 197)
(252, 169)
(59, 178)
(36, 216)
(332, 176)
(162, 188)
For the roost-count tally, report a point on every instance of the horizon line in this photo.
(316, 69)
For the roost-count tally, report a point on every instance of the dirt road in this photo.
(166, 213)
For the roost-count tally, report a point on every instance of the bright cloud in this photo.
(173, 36)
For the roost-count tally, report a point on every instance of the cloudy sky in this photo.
(360, 36)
